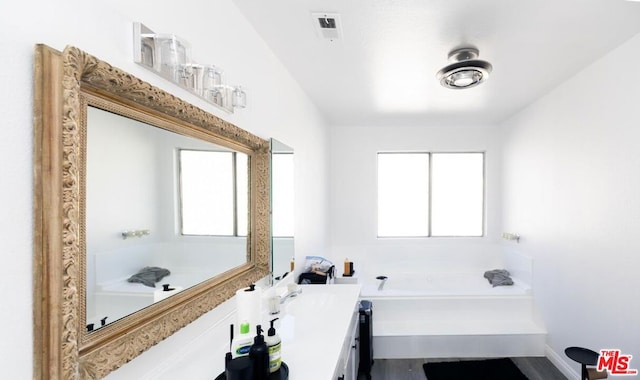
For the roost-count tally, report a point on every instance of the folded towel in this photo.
(498, 277)
(149, 276)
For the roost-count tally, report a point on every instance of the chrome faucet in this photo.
(383, 280)
(291, 294)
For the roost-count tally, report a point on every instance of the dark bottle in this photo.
(259, 354)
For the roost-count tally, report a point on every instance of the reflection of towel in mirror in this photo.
(498, 277)
(149, 276)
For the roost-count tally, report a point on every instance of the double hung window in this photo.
(430, 194)
(213, 193)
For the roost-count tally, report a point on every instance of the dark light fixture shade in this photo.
(465, 71)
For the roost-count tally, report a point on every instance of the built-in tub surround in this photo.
(456, 326)
(442, 269)
(454, 314)
(391, 255)
(436, 284)
(313, 327)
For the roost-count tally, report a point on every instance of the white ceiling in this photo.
(382, 70)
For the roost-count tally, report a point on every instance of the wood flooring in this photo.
(535, 368)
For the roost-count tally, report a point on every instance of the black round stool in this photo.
(584, 356)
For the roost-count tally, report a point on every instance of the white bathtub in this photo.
(436, 315)
(119, 298)
(437, 284)
(181, 279)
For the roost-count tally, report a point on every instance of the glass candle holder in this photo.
(239, 98)
(196, 78)
(174, 55)
(212, 84)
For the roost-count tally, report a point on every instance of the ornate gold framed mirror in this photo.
(70, 87)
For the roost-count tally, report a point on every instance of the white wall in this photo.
(354, 208)
(218, 34)
(571, 187)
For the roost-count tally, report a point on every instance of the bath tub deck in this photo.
(119, 298)
(453, 315)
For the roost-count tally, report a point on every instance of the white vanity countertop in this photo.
(312, 327)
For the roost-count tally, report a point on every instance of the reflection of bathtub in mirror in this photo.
(133, 184)
(112, 296)
(118, 298)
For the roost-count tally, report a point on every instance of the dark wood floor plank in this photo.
(538, 368)
(400, 369)
(535, 368)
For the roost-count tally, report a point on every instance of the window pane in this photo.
(457, 194)
(403, 194)
(242, 192)
(282, 194)
(206, 188)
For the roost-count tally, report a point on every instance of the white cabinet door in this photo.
(353, 349)
(350, 369)
(347, 368)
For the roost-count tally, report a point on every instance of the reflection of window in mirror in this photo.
(282, 183)
(213, 192)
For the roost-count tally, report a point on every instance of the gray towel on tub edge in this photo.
(149, 276)
(498, 277)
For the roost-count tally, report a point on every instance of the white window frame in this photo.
(429, 195)
(234, 185)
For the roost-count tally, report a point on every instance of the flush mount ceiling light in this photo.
(464, 71)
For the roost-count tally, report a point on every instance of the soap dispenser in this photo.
(273, 342)
(259, 354)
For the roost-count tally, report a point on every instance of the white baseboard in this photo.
(561, 364)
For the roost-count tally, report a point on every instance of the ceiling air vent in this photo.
(327, 25)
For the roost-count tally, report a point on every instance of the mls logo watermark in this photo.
(615, 362)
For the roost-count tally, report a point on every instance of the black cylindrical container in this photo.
(259, 354)
(240, 369)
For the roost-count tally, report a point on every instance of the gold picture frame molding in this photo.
(64, 84)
